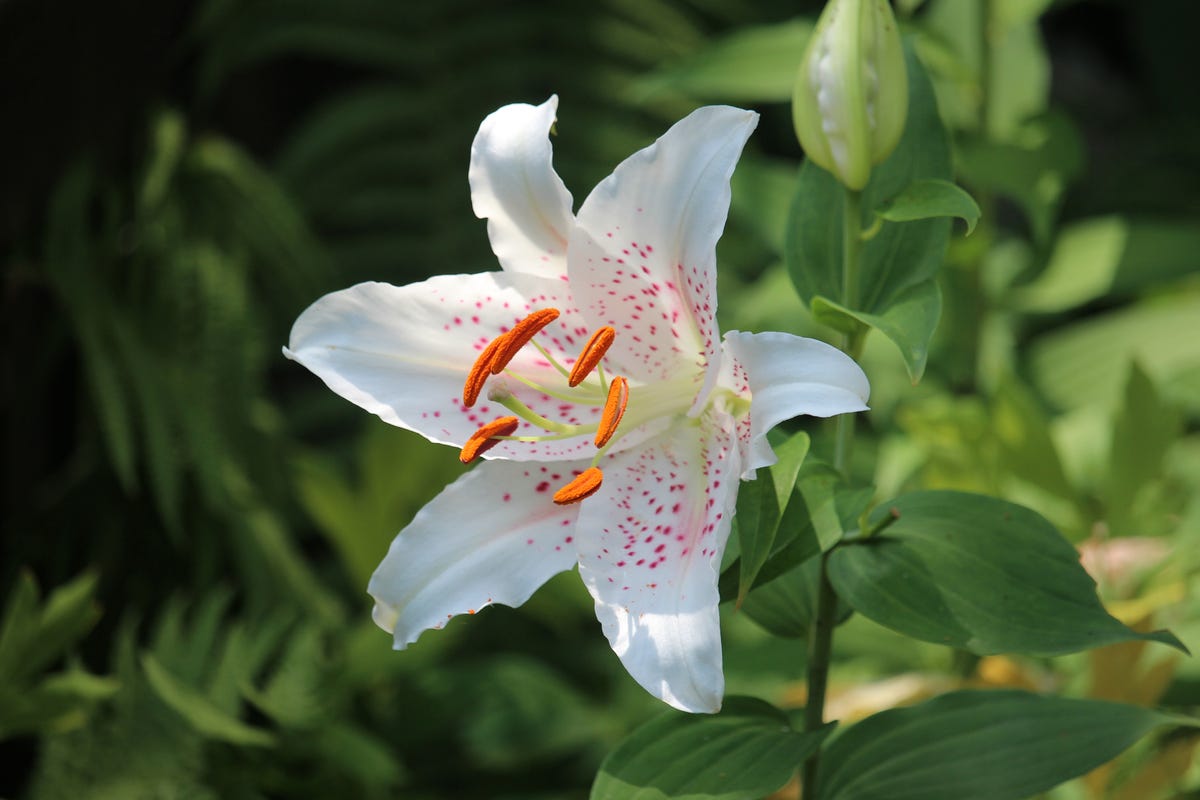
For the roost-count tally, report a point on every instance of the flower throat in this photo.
(587, 384)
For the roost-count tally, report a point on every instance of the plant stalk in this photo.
(820, 636)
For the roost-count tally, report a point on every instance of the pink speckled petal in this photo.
(490, 537)
(787, 376)
(650, 555)
(514, 186)
(403, 352)
(642, 256)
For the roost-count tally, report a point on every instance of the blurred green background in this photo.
(189, 520)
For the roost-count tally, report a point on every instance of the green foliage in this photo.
(818, 510)
(968, 744)
(1144, 428)
(1084, 363)
(752, 64)
(35, 635)
(759, 510)
(929, 199)
(978, 573)
(1109, 258)
(173, 350)
(183, 705)
(746, 751)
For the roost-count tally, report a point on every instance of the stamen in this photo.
(485, 439)
(593, 351)
(480, 370)
(614, 409)
(520, 335)
(583, 486)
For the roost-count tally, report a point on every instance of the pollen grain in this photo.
(592, 352)
(614, 410)
(520, 335)
(584, 485)
(484, 439)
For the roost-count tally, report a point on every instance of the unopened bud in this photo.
(851, 96)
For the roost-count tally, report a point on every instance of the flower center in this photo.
(587, 384)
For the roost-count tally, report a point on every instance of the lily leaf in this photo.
(909, 321)
(930, 198)
(759, 508)
(978, 573)
(970, 742)
(745, 752)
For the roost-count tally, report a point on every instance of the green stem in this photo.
(986, 13)
(820, 636)
(851, 343)
(820, 647)
(851, 245)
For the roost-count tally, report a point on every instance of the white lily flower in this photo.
(616, 421)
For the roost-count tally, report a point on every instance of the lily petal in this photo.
(788, 376)
(403, 352)
(514, 186)
(652, 551)
(492, 536)
(642, 255)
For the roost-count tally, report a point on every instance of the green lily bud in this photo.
(851, 95)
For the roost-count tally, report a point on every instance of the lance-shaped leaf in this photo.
(759, 507)
(930, 198)
(978, 573)
(745, 752)
(999, 745)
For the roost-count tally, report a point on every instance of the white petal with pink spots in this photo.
(514, 186)
(452, 559)
(650, 552)
(642, 257)
(402, 353)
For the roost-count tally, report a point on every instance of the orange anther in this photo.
(480, 371)
(614, 409)
(593, 351)
(584, 485)
(484, 439)
(520, 335)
